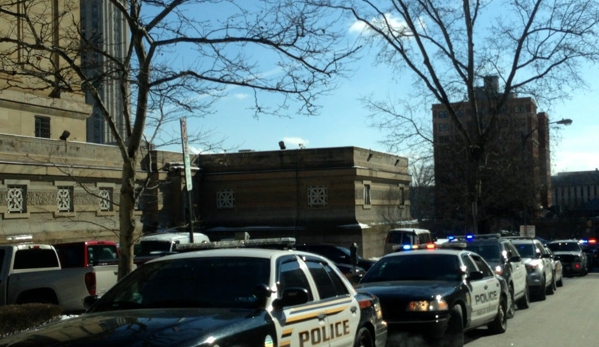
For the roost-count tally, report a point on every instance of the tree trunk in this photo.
(127, 218)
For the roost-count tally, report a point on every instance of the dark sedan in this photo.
(438, 294)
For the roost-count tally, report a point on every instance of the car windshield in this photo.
(153, 247)
(416, 267)
(526, 250)
(490, 252)
(219, 282)
(564, 247)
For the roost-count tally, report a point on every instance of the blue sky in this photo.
(343, 120)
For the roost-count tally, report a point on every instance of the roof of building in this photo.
(576, 178)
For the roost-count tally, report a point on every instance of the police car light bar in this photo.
(274, 243)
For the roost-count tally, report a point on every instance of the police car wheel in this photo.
(455, 328)
(511, 307)
(542, 293)
(524, 301)
(363, 338)
(499, 325)
(553, 286)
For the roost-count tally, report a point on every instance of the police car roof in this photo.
(174, 237)
(265, 253)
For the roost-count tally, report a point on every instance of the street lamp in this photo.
(563, 121)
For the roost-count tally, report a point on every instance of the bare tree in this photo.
(446, 48)
(181, 56)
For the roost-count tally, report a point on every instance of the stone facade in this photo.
(333, 195)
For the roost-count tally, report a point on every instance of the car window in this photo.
(219, 282)
(511, 250)
(468, 263)
(491, 252)
(328, 283)
(291, 275)
(526, 250)
(427, 266)
(35, 258)
(564, 247)
(482, 266)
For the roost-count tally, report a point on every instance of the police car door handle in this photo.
(486, 286)
(321, 316)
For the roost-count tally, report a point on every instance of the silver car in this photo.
(539, 266)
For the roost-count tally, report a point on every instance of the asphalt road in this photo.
(570, 317)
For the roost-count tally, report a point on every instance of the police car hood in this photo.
(567, 253)
(408, 289)
(150, 327)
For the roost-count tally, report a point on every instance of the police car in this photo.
(224, 297)
(438, 293)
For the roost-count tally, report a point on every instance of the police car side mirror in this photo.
(546, 256)
(262, 292)
(475, 276)
(291, 297)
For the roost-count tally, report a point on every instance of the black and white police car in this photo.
(224, 297)
(438, 293)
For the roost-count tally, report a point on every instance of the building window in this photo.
(317, 196)
(442, 114)
(42, 127)
(105, 201)
(366, 194)
(225, 199)
(443, 126)
(64, 199)
(520, 109)
(402, 196)
(17, 199)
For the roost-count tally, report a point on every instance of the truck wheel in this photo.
(524, 301)
(363, 338)
(499, 325)
(454, 336)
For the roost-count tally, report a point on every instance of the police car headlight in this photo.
(437, 304)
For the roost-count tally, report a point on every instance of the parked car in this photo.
(558, 269)
(438, 294)
(338, 254)
(31, 273)
(573, 259)
(406, 238)
(223, 297)
(539, 266)
(505, 260)
(157, 245)
(591, 248)
(103, 256)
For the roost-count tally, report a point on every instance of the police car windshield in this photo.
(153, 247)
(219, 282)
(490, 252)
(415, 266)
(527, 250)
(564, 247)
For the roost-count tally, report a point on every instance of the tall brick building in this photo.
(515, 181)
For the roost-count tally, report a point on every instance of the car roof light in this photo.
(469, 237)
(593, 241)
(430, 246)
(451, 237)
(407, 247)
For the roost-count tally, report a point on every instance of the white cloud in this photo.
(240, 96)
(295, 142)
(387, 24)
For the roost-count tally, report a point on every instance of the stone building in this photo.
(334, 195)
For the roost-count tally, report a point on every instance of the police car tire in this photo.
(455, 328)
(511, 310)
(552, 287)
(363, 338)
(560, 283)
(499, 325)
(524, 301)
(542, 293)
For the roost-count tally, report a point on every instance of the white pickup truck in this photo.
(32, 273)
